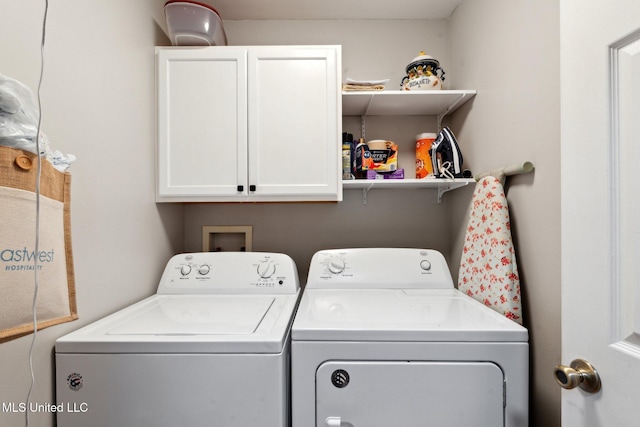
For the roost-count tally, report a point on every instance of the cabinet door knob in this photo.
(240, 188)
(252, 188)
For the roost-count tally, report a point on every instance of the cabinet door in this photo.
(295, 123)
(202, 124)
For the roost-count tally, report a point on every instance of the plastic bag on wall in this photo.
(19, 123)
(18, 115)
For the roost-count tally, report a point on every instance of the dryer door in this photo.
(408, 394)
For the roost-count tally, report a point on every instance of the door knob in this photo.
(579, 374)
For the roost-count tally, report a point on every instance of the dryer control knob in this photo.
(204, 269)
(185, 270)
(266, 269)
(425, 265)
(336, 265)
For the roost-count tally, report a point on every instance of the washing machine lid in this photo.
(428, 315)
(190, 324)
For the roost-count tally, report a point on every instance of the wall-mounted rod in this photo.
(502, 173)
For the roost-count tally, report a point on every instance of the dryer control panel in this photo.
(230, 273)
(379, 268)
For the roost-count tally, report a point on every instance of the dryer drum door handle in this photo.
(337, 422)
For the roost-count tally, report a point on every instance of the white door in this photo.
(294, 123)
(600, 137)
(202, 123)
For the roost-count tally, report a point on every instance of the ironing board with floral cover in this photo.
(488, 270)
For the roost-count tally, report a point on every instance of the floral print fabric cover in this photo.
(488, 270)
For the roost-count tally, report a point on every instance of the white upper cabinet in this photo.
(259, 124)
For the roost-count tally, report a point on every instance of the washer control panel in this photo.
(229, 272)
(393, 268)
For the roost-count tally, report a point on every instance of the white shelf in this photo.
(442, 185)
(437, 103)
(404, 103)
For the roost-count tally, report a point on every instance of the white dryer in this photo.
(210, 348)
(382, 338)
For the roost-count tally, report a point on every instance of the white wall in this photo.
(98, 103)
(98, 97)
(409, 218)
(510, 52)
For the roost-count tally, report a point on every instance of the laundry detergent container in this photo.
(194, 24)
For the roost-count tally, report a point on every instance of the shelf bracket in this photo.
(366, 110)
(365, 194)
(450, 109)
(443, 189)
(439, 118)
(452, 185)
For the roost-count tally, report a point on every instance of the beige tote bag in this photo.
(56, 300)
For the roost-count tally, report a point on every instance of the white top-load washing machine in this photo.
(210, 348)
(382, 338)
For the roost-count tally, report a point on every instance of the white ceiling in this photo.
(332, 9)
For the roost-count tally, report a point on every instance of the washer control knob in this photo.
(425, 265)
(204, 269)
(185, 270)
(266, 269)
(336, 265)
